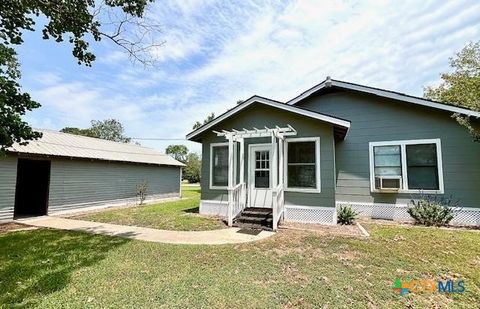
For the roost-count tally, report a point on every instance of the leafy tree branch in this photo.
(462, 86)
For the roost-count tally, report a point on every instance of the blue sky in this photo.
(218, 52)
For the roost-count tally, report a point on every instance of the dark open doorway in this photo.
(33, 182)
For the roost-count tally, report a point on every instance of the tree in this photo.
(109, 129)
(191, 171)
(78, 21)
(462, 86)
(178, 152)
(77, 131)
(13, 103)
(209, 118)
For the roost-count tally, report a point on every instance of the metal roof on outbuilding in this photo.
(58, 144)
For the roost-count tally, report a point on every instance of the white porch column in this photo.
(243, 195)
(242, 160)
(274, 161)
(274, 169)
(280, 162)
(230, 179)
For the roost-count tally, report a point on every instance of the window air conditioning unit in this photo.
(388, 183)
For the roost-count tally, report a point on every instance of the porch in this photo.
(263, 191)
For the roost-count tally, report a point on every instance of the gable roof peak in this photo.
(343, 123)
(329, 82)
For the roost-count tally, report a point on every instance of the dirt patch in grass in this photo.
(412, 224)
(331, 230)
(14, 226)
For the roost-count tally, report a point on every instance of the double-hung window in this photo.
(302, 164)
(411, 166)
(219, 166)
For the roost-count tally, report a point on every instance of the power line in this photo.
(157, 139)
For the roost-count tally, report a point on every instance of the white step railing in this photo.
(236, 202)
(278, 205)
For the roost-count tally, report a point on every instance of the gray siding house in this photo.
(337, 143)
(62, 173)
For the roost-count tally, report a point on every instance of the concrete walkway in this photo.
(214, 237)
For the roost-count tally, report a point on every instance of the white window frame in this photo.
(403, 152)
(212, 145)
(318, 187)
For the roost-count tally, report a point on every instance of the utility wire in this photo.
(157, 139)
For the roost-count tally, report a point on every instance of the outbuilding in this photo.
(62, 173)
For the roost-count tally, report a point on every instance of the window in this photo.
(262, 169)
(219, 166)
(409, 166)
(422, 167)
(387, 167)
(302, 160)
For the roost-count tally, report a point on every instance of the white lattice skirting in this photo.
(293, 213)
(311, 214)
(465, 216)
(214, 208)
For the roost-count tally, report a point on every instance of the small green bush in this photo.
(432, 210)
(346, 215)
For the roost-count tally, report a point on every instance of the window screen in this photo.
(422, 167)
(301, 165)
(388, 160)
(220, 166)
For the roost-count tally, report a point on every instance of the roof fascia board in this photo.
(386, 94)
(272, 103)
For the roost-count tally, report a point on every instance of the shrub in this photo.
(432, 210)
(191, 171)
(141, 191)
(346, 215)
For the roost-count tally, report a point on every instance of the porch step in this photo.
(255, 218)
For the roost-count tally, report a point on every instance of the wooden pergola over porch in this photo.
(237, 193)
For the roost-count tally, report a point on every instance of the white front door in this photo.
(259, 176)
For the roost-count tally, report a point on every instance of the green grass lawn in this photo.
(52, 269)
(174, 215)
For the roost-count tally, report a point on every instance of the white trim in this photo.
(215, 202)
(283, 106)
(214, 208)
(117, 203)
(211, 186)
(401, 205)
(334, 166)
(403, 144)
(318, 187)
(277, 132)
(251, 163)
(338, 203)
(386, 94)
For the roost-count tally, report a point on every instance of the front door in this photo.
(259, 176)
